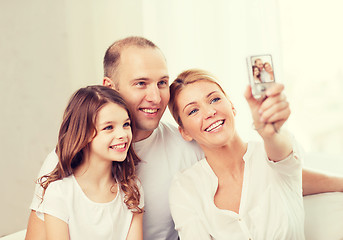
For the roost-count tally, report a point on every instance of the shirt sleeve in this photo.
(141, 192)
(54, 202)
(47, 167)
(187, 221)
(292, 164)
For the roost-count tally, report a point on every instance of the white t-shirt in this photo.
(265, 77)
(86, 219)
(271, 204)
(164, 153)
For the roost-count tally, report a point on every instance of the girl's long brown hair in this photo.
(77, 131)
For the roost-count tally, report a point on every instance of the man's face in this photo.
(259, 64)
(143, 81)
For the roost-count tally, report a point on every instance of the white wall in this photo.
(48, 49)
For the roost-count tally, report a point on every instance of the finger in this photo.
(274, 89)
(275, 112)
(271, 101)
(248, 95)
(281, 115)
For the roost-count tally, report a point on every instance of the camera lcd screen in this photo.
(262, 69)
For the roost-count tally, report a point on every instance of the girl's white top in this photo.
(271, 204)
(86, 219)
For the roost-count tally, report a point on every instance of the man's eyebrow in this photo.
(207, 96)
(147, 79)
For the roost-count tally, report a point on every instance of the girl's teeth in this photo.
(119, 146)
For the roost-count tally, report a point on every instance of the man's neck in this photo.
(142, 134)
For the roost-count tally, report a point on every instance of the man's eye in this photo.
(215, 100)
(192, 112)
(162, 83)
(127, 124)
(140, 84)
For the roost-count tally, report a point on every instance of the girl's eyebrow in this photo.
(111, 122)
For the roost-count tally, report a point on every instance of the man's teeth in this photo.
(214, 125)
(118, 146)
(149, 110)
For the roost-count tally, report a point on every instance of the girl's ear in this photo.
(185, 134)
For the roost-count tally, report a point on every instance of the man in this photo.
(137, 68)
(263, 73)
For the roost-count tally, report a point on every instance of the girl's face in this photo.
(114, 134)
(206, 113)
(256, 71)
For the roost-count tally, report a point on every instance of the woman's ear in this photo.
(107, 82)
(234, 111)
(233, 108)
(185, 134)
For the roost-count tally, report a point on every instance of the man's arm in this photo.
(35, 228)
(315, 182)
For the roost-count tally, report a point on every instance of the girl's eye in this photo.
(192, 112)
(108, 128)
(215, 100)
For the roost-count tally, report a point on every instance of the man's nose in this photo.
(153, 94)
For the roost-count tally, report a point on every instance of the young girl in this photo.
(256, 74)
(239, 190)
(93, 193)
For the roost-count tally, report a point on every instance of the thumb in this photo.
(249, 97)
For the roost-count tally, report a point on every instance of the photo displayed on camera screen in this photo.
(262, 69)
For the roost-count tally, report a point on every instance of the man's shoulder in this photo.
(191, 174)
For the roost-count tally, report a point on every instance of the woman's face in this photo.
(256, 71)
(206, 113)
(268, 67)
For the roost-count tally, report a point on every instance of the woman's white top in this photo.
(271, 204)
(86, 219)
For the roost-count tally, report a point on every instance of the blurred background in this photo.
(49, 49)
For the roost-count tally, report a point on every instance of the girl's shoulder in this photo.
(62, 186)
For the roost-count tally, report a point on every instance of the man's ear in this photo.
(185, 134)
(107, 82)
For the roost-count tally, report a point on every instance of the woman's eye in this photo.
(215, 100)
(192, 112)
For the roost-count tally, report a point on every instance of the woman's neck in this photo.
(228, 157)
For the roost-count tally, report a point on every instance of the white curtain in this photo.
(304, 37)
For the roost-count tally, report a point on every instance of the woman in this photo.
(270, 72)
(256, 74)
(240, 190)
(93, 193)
